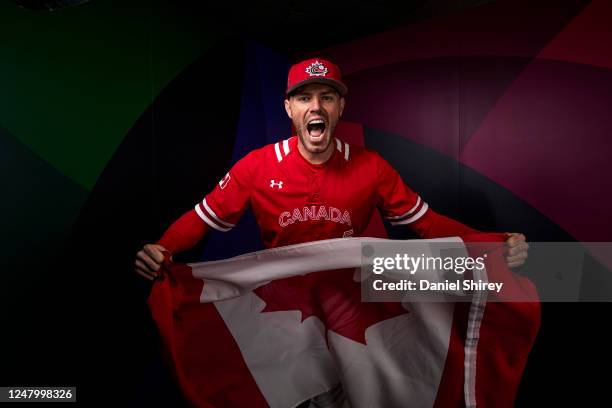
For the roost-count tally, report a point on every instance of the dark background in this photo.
(115, 117)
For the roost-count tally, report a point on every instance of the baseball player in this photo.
(311, 186)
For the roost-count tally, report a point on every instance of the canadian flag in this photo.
(280, 326)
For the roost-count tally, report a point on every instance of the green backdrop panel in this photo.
(74, 81)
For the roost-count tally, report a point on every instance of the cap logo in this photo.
(316, 69)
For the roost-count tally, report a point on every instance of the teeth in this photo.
(316, 121)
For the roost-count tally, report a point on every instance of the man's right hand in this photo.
(148, 261)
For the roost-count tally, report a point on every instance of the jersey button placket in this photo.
(314, 187)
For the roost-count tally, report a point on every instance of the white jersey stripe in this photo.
(477, 310)
(407, 213)
(414, 217)
(338, 145)
(219, 220)
(346, 151)
(286, 146)
(278, 153)
(208, 220)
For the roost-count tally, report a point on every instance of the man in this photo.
(311, 186)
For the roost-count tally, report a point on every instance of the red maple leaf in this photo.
(332, 296)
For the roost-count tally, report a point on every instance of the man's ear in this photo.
(342, 102)
(288, 108)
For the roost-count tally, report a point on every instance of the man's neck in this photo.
(316, 158)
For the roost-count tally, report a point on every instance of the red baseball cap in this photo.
(317, 71)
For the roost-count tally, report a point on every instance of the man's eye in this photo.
(303, 99)
(327, 98)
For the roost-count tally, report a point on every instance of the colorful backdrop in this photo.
(116, 117)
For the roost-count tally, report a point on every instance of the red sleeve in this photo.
(434, 225)
(397, 202)
(402, 206)
(184, 233)
(222, 208)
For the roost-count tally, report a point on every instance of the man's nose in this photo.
(315, 105)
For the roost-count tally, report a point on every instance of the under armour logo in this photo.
(273, 184)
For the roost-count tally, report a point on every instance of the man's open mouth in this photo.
(316, 128)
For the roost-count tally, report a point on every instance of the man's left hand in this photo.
(516, 249)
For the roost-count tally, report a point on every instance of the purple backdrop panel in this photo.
(262, 121)
(500, 28)
(548, 141)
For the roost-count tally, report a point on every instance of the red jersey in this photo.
(295, 201)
